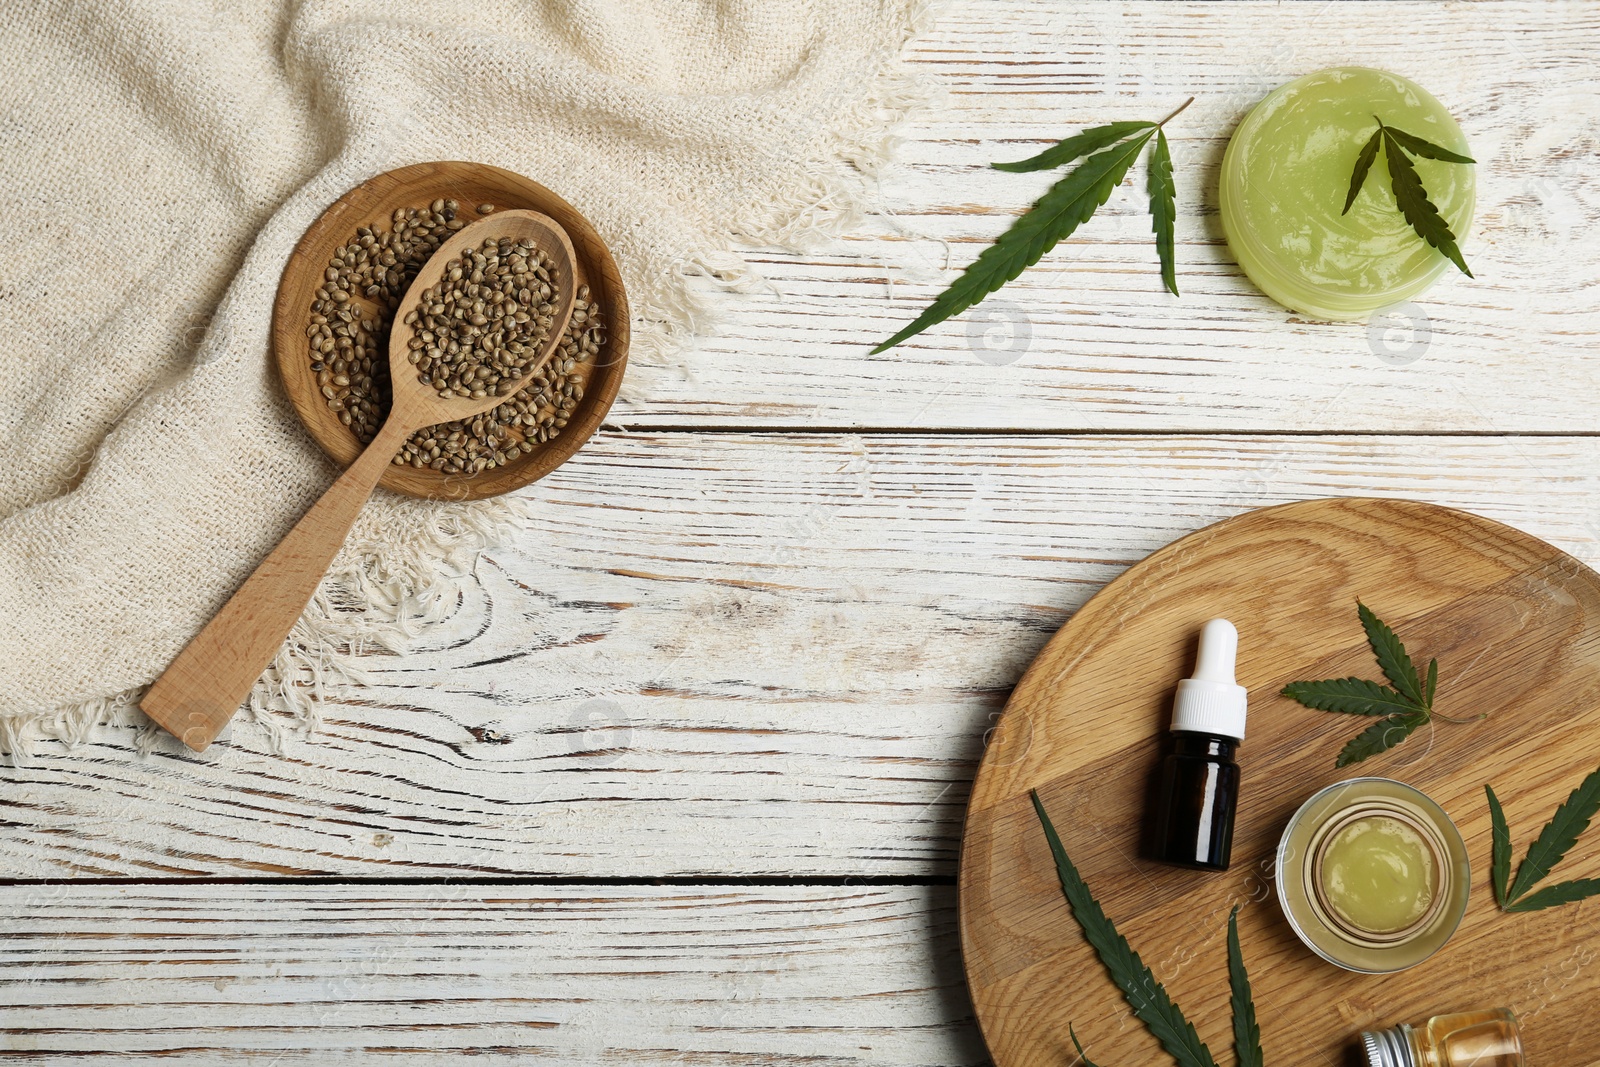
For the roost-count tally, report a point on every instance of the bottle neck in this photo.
(1215, 746)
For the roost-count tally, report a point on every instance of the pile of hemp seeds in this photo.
(353, 309)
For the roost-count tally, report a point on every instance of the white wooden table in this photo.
(683, 780)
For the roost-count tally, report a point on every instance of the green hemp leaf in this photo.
(1499, 850)
(1163, 209)
(1246, 1034)
(1147, 997)
(1409, 194)
(1571, 819)
(1111, 151)
(1404, 704)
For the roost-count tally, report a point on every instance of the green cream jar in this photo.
(1372, 875)
(1287, 171)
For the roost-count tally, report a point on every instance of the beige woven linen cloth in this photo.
(159, 160)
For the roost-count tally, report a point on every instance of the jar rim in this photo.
(1316, 932)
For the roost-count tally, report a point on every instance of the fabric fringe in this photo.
(384, 589)
(382, 592)
(821, 202)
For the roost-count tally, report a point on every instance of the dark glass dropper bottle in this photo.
(1199, 779)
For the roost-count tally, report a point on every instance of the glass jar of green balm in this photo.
(1287, 171)
(1372, 875)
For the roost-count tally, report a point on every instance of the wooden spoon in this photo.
(201, 689)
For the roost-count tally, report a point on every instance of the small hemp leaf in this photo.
(1571, 819)
(1145, 995)
(1163, 209)
(1380, 737)
(1082, 1055)
(1246, 1034)
(1409, 194)
(1499, 849)
(1108, 152)
(1401, 707)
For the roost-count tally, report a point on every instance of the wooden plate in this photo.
(1515, 625)
(372, 203)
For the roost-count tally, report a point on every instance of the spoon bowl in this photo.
(416, 400)
(201, 689)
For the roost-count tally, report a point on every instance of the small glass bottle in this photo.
(1466, 1039)
(1199, 787)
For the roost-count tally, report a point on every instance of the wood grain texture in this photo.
(427, 974)
(1106, 348)
(754, 654)
(778, 654)
(1515, 625)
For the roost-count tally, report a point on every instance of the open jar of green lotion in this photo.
(1287, 171)
(1372, 875)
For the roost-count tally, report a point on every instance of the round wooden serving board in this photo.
(1515, 625)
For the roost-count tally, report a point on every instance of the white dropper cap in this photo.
(1211, 702)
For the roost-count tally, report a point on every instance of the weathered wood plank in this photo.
(778, 655)
(424, 974)
(730, 654)
(1107, 349)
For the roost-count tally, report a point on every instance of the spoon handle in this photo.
(201, 689)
